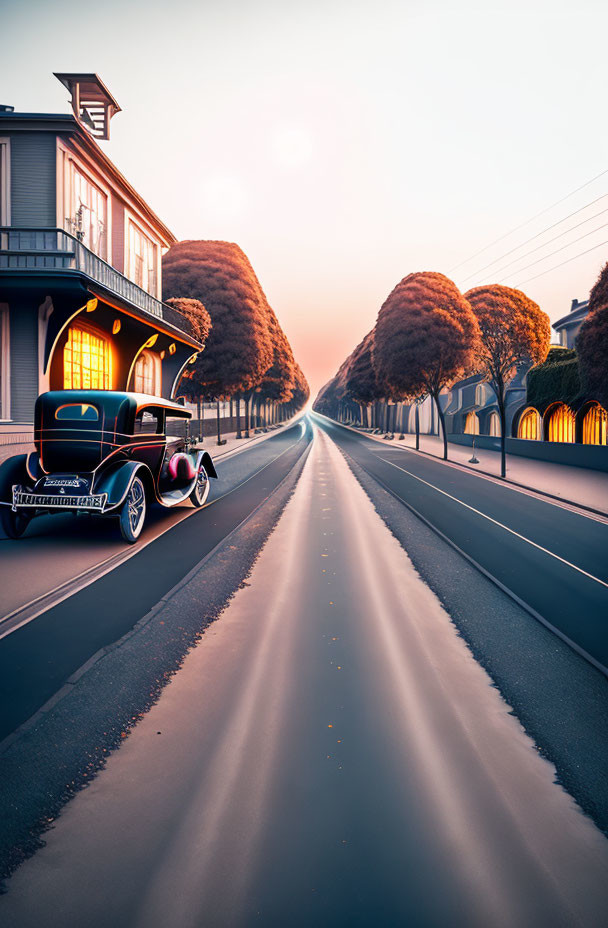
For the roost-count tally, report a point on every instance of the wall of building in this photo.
(575, 455)
(33, 179)
(24, 359)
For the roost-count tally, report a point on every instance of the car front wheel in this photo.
(133, 512)
(13, 523)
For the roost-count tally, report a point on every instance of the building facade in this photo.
(577, 419)
(80, 263)
(568, 326)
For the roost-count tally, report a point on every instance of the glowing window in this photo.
(560, 424)
(87, 361)
(494, 425)
(479, 394)
(595, 425)
(471, 425)
(146, 376)
(529, 425)
(77, 411)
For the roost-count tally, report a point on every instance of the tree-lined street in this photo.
(304, 465)
(330, 749)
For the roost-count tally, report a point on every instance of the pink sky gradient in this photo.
(343, 145)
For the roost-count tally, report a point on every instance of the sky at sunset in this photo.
(343, 145)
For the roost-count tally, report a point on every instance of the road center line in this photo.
(499, 524)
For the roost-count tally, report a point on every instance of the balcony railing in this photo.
(56, 250)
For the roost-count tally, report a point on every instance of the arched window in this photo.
(479, 394)
(560, 423)
(529, 425)
(595, 425)
(146, 376)
(87, 360)
(471, 425)
(494, 425)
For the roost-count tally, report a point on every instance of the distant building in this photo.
(473, 410)
(80, 262)
(568, 326)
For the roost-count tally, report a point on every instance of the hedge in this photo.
(557, 380)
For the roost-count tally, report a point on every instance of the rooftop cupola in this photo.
(92, 103)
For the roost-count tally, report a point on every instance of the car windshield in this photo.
(77, 411)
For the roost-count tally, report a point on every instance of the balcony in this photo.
(49, 250)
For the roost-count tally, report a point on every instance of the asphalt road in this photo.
(37, 658)
(553, 559)
(330, 754)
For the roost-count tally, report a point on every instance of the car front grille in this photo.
(57, 501)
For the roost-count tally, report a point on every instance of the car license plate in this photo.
(48, 501)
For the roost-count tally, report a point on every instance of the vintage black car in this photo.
(107, 453)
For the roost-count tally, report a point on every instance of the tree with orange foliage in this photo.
(195, 313)
(425, 339)
(514, 330)
(279, 380)
(360, 376)
(239, 349)
(199, 323)
(301, 390)
(331, 397)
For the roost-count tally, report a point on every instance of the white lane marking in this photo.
(499, 524)
(579, 509)
(95, 572)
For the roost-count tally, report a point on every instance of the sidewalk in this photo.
(218, 452)
(576, 485)
(234, 445)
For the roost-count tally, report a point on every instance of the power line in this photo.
(557, 251)
(538, 235)
(528, 221)
(561, 264)
(550, 242)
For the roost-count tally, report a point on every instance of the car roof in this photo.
(111, 400)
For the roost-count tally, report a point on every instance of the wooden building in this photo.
(80, 262)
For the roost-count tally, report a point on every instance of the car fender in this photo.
(13, 471)
(117, 482)
(207, 462)
(33, 467)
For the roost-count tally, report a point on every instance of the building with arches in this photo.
(472, 408)
(80, 262)
(561, 424)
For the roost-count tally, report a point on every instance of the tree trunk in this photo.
(247, 402)
(218, 422)
(238, 416)
(442, 420)
(417, 417)
(503, 437)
